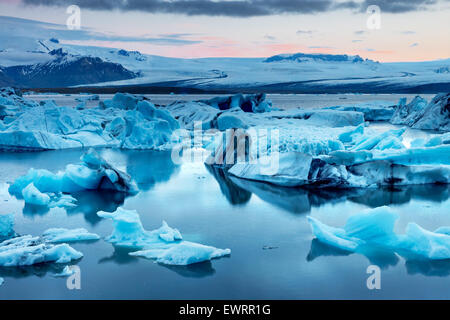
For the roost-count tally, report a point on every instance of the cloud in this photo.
(415, 44)
(301, 32)
(359, 32)
(24, 28)
(269, 37)
(357, 40)
(238, 8)
(408, 32)
(401, 6)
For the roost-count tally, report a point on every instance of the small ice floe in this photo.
(374, 229)
(42, 187)
(165, 244)
(28, 250)
(58, 235)
(1, 281)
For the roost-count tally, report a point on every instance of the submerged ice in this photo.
(165, 244)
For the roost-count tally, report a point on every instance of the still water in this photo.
(282, 101)
(273, 254)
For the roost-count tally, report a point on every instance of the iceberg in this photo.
(182, 254)
(385, 140)
(28, 250)
(373, 111)
(436, 116)
(127, 121)
(1, 281)
(374, 230)
(293, 170)
(256, 103)
(165, 244)
(58, 235)
(419, 114)
(407, 114)
(33, 196)
(92, 174)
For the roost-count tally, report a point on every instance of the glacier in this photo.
(164, 244)
(373, 229)
(39, 186)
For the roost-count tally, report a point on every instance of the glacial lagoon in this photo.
(273, 253)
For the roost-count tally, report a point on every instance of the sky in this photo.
(409, 30)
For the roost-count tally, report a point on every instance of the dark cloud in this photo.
(400, 6)
(238, 8)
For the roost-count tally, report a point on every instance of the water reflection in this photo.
(148, 168)
(121, 256)
(91, 202)
(196, 270)
(301, 200)
(233, 192)
(39, 270)
(383, 259)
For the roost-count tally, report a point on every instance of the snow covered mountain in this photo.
(32, 56)
(65, 70)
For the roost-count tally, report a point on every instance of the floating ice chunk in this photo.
(248, 103)
(436, 116)
(28, 250)
(122, 101)
(352, 135)
(422, 243)
(230, 121)
(373, 111)
(189, 113)
(289, 170)
(47, 126)
(439, 155)
(129, 232)
(371, 142)
(33, 196)
(164, 244)
(374, 229)
(92, 174)
(6, 225)
(183, 254)
(94, 97)
(1, 281)
(56, 235)
(408, 114)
